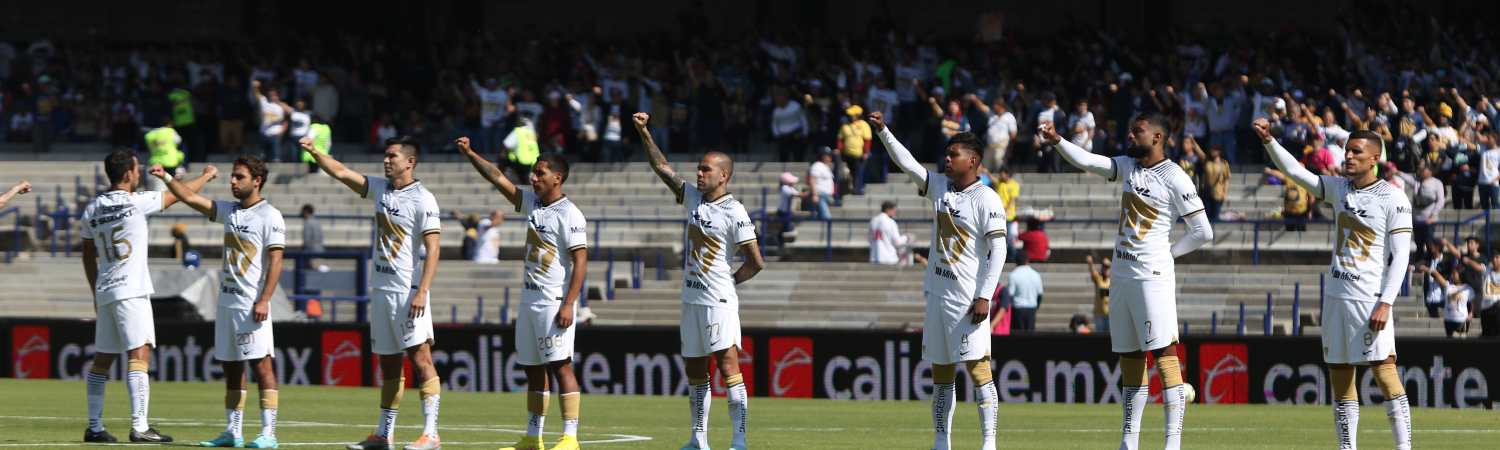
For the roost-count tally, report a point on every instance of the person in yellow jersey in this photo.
(854, 143)
(163, 144)
(522, 148)
(719, 229)
(1009, 189)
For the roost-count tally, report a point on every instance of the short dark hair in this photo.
(1022, 258)
(1370, 135)
(557, 163)
(408, 144)
(967, 140)
(887, 205)
(256, 167)
(118, 163)
(1154, 119)
(307, 209)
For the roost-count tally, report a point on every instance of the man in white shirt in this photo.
(887, 245)
(999, 132)
(273, 119)
(1489, 171)
(820, 179)
(494, 104)
(1081, 125)
(789, 128)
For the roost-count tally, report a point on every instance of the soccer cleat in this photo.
(263, 442)
(566, 443)
(527, 443)
(150, 435)
(426, 442)
(689, 447)
(224, 440)
(101, 436)
(372, 442)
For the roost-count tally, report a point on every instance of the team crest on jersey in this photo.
(951, 210)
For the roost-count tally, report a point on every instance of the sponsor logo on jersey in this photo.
(791, 367)
(342, 351)
(31, 350)
(1224, 371)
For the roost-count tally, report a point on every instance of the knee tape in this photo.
(980, 371)
(1343, 382)
(943, 373)
(570, 404)
(734, 380)
(390, 392)
(269, 399)
(536, 402)
(137, 365)
(1171, 370)
(1133, 371)
(431, 387)
(234, 399)
(1389, 380)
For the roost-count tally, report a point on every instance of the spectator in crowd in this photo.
(1428, 203)
(1046, 158)
(999, 132)
(1099, 275)
(1024, 286)
(887, 245)
(233, 111)
(1010, 194)
(470, 223)
(180, 244)
(487, 245)
(312, 231)
(163, 144)
(789, 128)
(1079, 324)
(855, 141)
(820, 184)
(1296, 202)
(273, 119)
(1214, 183)
(1435, 261)
(1224, 107)
(1456, 301)
(1489, 171)
(781, 230)
(1081, 125)
(1488, 289)
(1034, 241)
(522, 147)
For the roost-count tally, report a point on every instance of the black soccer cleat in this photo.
(150, 435)
(101, 436)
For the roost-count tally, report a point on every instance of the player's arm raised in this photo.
(489, 171)
(898, 152)
(659, 162)
(192, 186)
(1284, 159)
(354, 180)
(1075, 155)
(180, 191)
(20, 188)
(754, 263)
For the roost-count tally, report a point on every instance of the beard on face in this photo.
(1137, 151)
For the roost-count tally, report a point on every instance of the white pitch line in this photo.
(614, 438)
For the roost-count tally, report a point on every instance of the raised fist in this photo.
(640, 119)
(158, 172)
(1262, 129)
(877, 120)
(1047, 134)
(211, 172)
(463, 144)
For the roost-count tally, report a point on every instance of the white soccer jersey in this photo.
(1365, 220)
(402, 217)
(716, 230)
(116, 222)
(964, 219)
(552, 233)
(249, 233)
(1151, 200)
(885, 240)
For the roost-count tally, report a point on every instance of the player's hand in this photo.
(1381, 315)
(877, 120)
(158, 172)
(23, 187)
(565, 316)
(1047, 134)
(1262, 129)
(640, 120)
(307, 144)
(980, 310)
(211, 172)
(463, 145)
(262, 311)
(418, 305)
(1089, 259)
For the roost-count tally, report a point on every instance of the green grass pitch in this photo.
(50, 414)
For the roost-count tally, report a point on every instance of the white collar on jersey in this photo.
(392, 186)
(559, 200)
(955, 188)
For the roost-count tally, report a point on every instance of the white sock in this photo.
(989, 414)
(387, 426)
(739, 413)
(942, 414)
(430, 415)
(699, 400)
(535, 424)
(570, 427)
(1174, 401)
(1346, 423)
(268, 422)
(95, 391)
(236, 422)
(1135, 399)
(1398, 410)
(140, 397)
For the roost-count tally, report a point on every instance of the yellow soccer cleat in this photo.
(527, 443)
(566, 443)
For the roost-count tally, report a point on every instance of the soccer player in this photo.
(718, 229)
(114, 261)
(556, 262)
(254, 238)
(965, 260)
(1370, 246)
(20, 188)
(400, 284)
(1155, 192)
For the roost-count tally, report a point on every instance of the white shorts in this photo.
(538, 338)
(1347, 338)
(391, 332)
(708, 329)
(1142, 314)
(124, 325)
(949, 338)
(238, 337)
